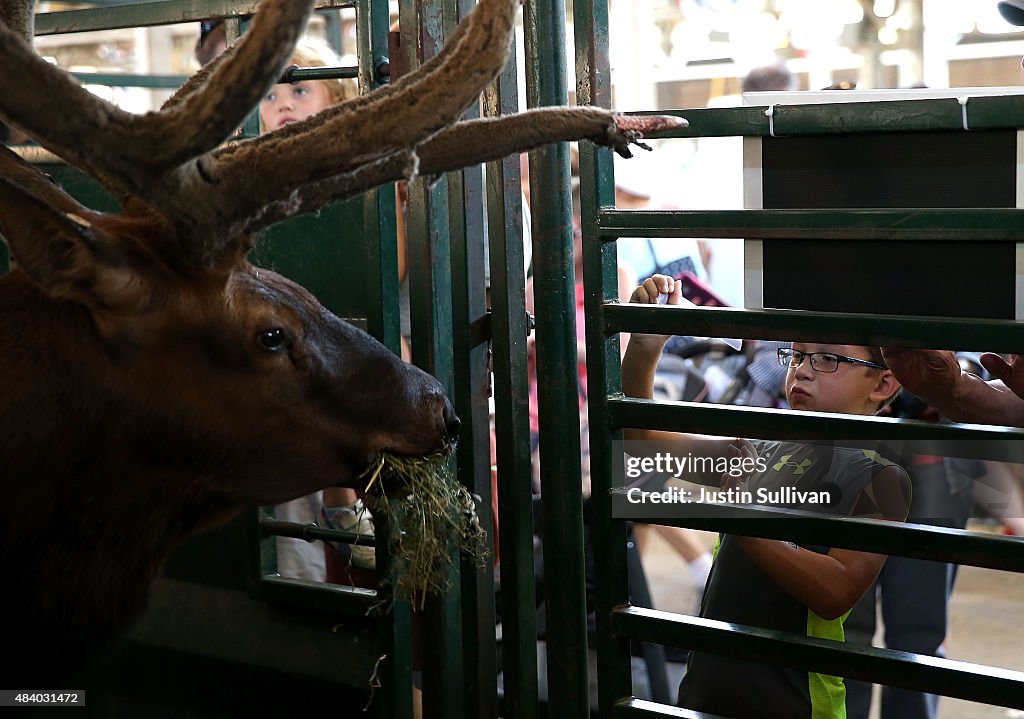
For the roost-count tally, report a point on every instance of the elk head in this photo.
(154, 380)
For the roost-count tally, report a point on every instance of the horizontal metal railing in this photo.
(312, 532)
(934, 675)
(172, 82)
(807, 326)
(978, 112)
(982, 225)
(920, 541)
(724, 420)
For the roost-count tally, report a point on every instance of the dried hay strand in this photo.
(436, 514)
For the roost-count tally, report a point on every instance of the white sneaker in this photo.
(354, 518)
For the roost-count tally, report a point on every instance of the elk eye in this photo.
(274, 340)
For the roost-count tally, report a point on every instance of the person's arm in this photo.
(831, 584)
(935, 377)
(827, 584)
(638, 369)
(640, 361)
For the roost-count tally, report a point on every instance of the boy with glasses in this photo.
(806, 589)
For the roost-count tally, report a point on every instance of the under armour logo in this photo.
(798, 469)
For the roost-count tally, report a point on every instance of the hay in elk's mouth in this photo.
(436, 514)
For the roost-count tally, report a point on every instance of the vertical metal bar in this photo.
(332, 29)
(382, 310)
(256, 556)
(384, 322)
(379, 226)
(469, 316)
(557, 375)
(430, 298)
(430, 294)
(511, 415)
(600, 270)
(234, 28)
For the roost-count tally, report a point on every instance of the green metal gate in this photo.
(610, 411)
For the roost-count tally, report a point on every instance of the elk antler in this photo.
(472, 141)
(372, 127)
(18, 16)
(129, 152)
(403, 129)
(208, 195)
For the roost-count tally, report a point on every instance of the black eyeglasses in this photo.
(821, 361)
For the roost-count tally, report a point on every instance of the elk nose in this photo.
(451, 421)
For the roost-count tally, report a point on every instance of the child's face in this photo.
(291, 103)
(851, 389)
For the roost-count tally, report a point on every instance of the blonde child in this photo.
(339, 508)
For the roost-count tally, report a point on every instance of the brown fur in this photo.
(139, 405)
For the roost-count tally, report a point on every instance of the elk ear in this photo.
(65, 253)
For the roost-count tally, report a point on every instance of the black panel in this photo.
(927, 170)
(958, 279)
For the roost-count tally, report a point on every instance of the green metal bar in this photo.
(310, 532)
(904, 224)
(471, 400)
(162, 12)
(430, 290)
(373, 23)
(804, 326)
(383, 321)
(298, 74)
(729, 421)
(557, 375)
(469, 315)
(935, 675)
(989, 112)
(332, 28)
(255, 554)
(379, 230)
(335, 598)
(234, 28)
(920, 541)
(597, 190)
(379, 223)
(117, 80)
(430, 299)
(511, 414)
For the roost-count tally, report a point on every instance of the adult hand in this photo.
(1011, 373)
(935, 376)
(932, 375)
